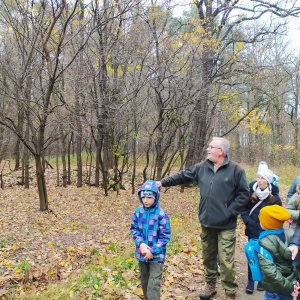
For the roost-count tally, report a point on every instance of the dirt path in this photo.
(242, 281)
(241, 267)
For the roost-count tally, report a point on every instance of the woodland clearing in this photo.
(81, 248)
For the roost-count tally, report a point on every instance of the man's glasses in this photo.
(212, 147)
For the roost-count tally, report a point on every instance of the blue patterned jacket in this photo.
(151, 226)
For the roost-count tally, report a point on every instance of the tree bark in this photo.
(42, 190)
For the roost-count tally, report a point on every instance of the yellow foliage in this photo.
(129, 259)
(174, 221)
(167, 283)
(238, 112)
(137, 291)
(255, 122)
(225, 96)
(277, 147)
(228, 97)
(239, 46)
(289, 147)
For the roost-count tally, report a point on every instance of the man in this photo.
(224, 193)
(292, 189)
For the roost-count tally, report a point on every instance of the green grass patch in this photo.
(23, 266)
(3, 243)
(185, 233)
(106, 277)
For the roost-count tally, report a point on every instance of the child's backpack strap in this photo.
(251, 249)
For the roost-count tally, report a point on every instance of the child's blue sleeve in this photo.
(164, 235)
(134, 230)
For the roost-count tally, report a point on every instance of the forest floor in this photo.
(81, 248)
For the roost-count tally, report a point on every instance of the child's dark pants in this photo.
(151, 277)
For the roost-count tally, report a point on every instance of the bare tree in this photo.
(220, 20)
(42, 33)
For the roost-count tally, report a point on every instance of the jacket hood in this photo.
(149, 185)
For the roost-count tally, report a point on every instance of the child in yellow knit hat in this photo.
(279, 277)
(273, 217)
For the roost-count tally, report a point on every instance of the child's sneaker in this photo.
(259, 287)
(250, 287)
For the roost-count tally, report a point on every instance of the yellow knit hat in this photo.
(273, 216)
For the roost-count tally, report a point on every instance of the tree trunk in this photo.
(69, 158)
(57, 166)
(26, 159)
(134, 149)
(19, 128)
(98, 159)
(78, 97)
(40, 176)
(78, 138)
(1, 181)
(103, 87)
(198, 134)
(17, 154)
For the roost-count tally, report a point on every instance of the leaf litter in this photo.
(38, 249)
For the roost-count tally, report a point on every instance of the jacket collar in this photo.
(225, 162)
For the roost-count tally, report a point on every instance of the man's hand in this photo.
(148, 255)
(158, 183)
(294, 249)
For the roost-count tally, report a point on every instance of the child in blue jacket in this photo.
(150, 229)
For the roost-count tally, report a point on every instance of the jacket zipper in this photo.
(211, 182)
(148, 216)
